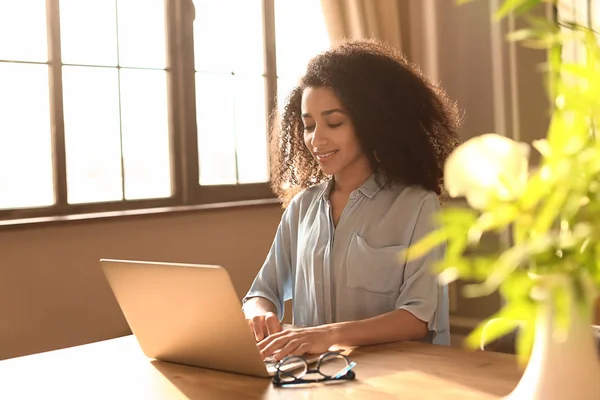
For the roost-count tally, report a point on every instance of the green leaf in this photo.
(542, 23)
(474, 290)
(543, 147)
(449, 275)
(460, 265)
(517, 6)
(476, 268)
(490, 330)
(517, 287)
(553, 221)
(522, 34)
(500, 271)
(569, 131)
(551, 209)
(424, 246)
(507, 7)
(456, 247)
(528, 5)
(542, 34)
(456, 216)
(481, 267)
(515, 315)
(537, 188)
(508, 318)
(498, 217)
(506, 266)
(576, 70)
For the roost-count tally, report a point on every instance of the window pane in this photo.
(144, 119)
(251, 129)
(566, 12)
(215, 119)
(228, 36)
(285, 84)
(89, 32)
(585, 13)
(92, 134)
(25, 142)
(23, 30)
(296, 46)
(142, 39)
(582, 17)
(596, 19)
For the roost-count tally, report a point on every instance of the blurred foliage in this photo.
(555, 224)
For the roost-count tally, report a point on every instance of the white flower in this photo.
(487, 167)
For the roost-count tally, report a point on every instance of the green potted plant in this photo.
(549, 276)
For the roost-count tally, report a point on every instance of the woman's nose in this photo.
(319, 137)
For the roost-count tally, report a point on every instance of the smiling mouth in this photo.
(325, 156)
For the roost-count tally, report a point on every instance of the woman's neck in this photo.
(348, 181)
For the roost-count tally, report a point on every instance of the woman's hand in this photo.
(297, 342)
(261, 315)
(264, 325)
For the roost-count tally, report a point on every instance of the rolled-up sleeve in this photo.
(420, 293)
(274, 280)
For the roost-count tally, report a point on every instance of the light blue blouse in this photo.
(352, 272)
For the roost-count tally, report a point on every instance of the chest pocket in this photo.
(374, 269)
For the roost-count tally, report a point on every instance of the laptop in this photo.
(187, 314)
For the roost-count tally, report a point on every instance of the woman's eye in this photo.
(311, 128)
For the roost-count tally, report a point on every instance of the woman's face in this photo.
(329, 133)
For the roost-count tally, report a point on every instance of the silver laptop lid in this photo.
(185, 313)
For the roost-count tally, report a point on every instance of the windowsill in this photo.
(133, 213)
(66, 219)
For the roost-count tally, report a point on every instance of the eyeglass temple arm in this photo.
(344, 370)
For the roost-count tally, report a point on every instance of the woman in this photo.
(362, 143)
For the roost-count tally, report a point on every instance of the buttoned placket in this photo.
(328, 264)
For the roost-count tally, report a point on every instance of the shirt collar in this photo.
(370, 188)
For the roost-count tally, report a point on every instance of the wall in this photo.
(498, 86)
(53, 294)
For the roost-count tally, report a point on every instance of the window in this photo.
(108, 105)
(583, 12)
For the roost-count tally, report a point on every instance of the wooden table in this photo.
(117, 369)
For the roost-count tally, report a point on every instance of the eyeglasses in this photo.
(331, 367)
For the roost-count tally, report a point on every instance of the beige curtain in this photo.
(359, 19)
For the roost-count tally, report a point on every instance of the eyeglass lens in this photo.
(292, 368)
(332, 364)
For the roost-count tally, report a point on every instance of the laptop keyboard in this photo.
(270, 361)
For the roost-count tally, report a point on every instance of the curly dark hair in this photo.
(405, 124)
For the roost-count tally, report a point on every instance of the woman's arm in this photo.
(390, 327)
(263, 305)
(258, 306)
